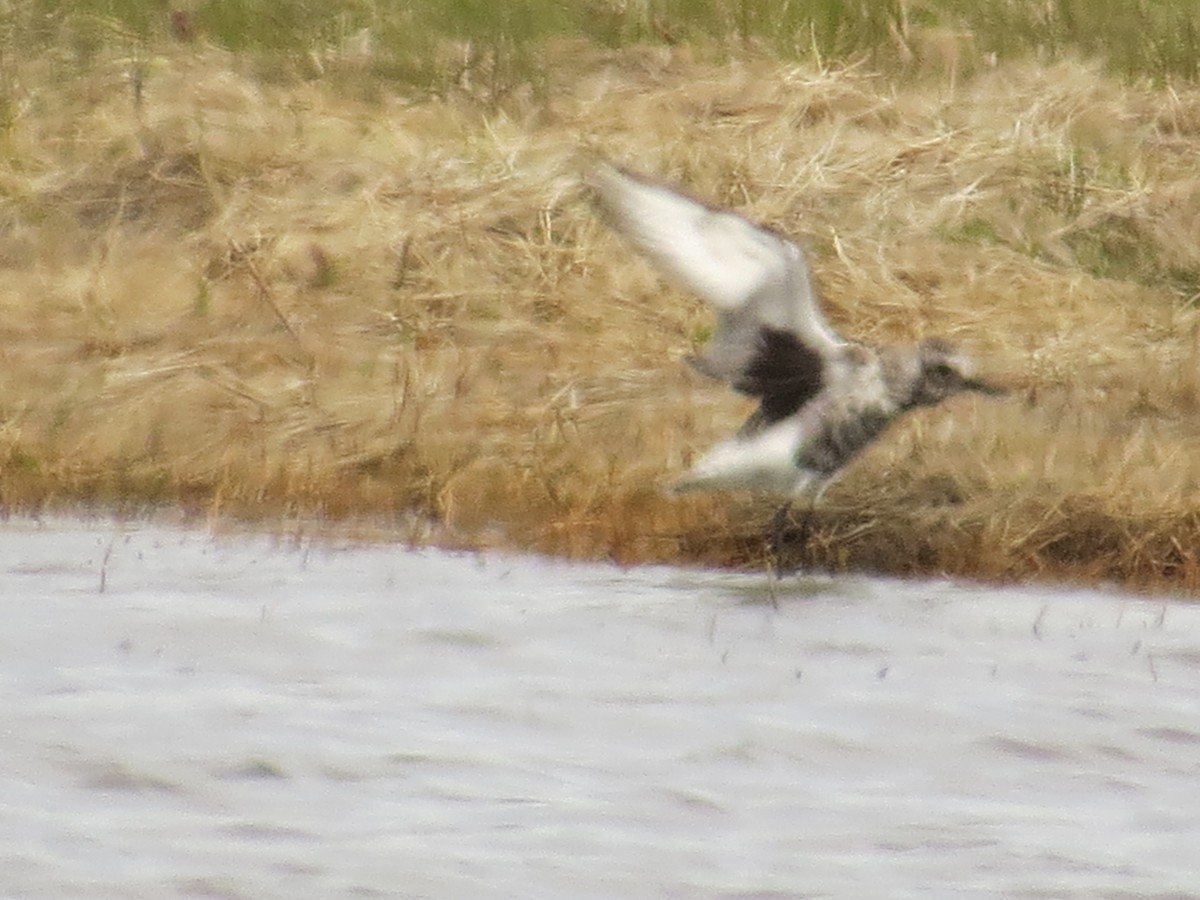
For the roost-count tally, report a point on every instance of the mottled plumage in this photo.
(822, 398)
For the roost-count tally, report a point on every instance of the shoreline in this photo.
(256, 300)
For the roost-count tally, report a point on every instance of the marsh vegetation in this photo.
(267, 263)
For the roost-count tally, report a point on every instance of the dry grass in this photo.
(270, 301)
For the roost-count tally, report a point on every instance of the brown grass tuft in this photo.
(267, 302)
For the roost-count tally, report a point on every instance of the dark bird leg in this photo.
(804, 533)
(775, 540)
(774, 547)
(777, 536)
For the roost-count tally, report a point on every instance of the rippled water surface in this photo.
(190, 716)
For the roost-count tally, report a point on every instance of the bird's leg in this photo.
(775, 538)
(806, 522)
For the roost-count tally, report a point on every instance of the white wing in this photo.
(745, 271)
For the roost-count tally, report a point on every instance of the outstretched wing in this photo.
(771, 339)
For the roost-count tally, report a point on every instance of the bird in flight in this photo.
(821, 398)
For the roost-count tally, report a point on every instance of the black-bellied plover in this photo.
(822, 398)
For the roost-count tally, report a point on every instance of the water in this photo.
(186, 716)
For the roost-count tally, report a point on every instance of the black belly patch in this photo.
(836, 444)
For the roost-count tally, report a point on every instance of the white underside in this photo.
(765, 461)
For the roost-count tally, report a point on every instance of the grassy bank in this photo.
(241, 283)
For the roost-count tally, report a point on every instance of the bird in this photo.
(821, 398)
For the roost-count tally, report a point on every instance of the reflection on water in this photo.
(187, 716)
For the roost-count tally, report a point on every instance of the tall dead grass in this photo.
(271, 301)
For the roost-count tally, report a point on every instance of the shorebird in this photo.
(822, 398)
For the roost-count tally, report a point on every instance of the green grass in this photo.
(1159, 40)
